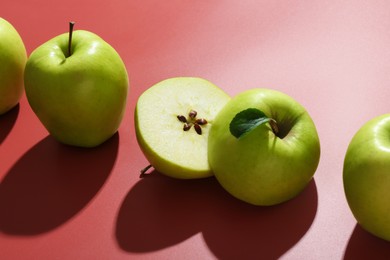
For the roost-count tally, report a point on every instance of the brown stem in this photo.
(71, 25)
(144, 170)
(274, 126)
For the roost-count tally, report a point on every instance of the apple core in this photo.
(191, 120)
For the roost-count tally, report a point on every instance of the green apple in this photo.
(263, 147)
(172, 121)
(366, 176)
(77, 88)
(13, 57)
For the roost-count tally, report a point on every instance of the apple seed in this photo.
(187, 126)
(182, 118)
(201, 121)
(198, 129)
(192, 114)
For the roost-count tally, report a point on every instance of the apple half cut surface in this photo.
(172, 122)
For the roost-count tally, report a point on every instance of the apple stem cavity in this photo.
(144, 170)
(249, 119)
(71, 25)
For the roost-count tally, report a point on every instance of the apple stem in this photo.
(274, 126)
(71, 25)
(144, 170)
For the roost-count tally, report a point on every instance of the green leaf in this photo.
(247, 120)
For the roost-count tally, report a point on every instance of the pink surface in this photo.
(59, 202)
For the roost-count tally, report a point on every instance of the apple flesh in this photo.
(366, 176)
(13, 59)
(264, 167)
(170, 128)
(80, 97)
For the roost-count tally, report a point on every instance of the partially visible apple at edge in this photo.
(13, 57)
(366, 176)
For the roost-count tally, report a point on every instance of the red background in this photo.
(59, 202)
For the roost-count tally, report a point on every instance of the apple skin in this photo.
(80, 99)
(13, 57)
(261, 168)
(366, 176)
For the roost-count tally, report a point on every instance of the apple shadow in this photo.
(363, 245)
(51, 183)
(159, 212)
(7, 122)
(242, 231)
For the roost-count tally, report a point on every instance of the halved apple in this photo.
(172, 122)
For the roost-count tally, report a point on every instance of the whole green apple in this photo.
(366, 176)
(77, 86)
(172, 123)
(13, 59)
(263, 147)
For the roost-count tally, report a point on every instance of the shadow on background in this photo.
(51, 183)
(160, 212)
(7, 121)
(241, 231)
(363, 245)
